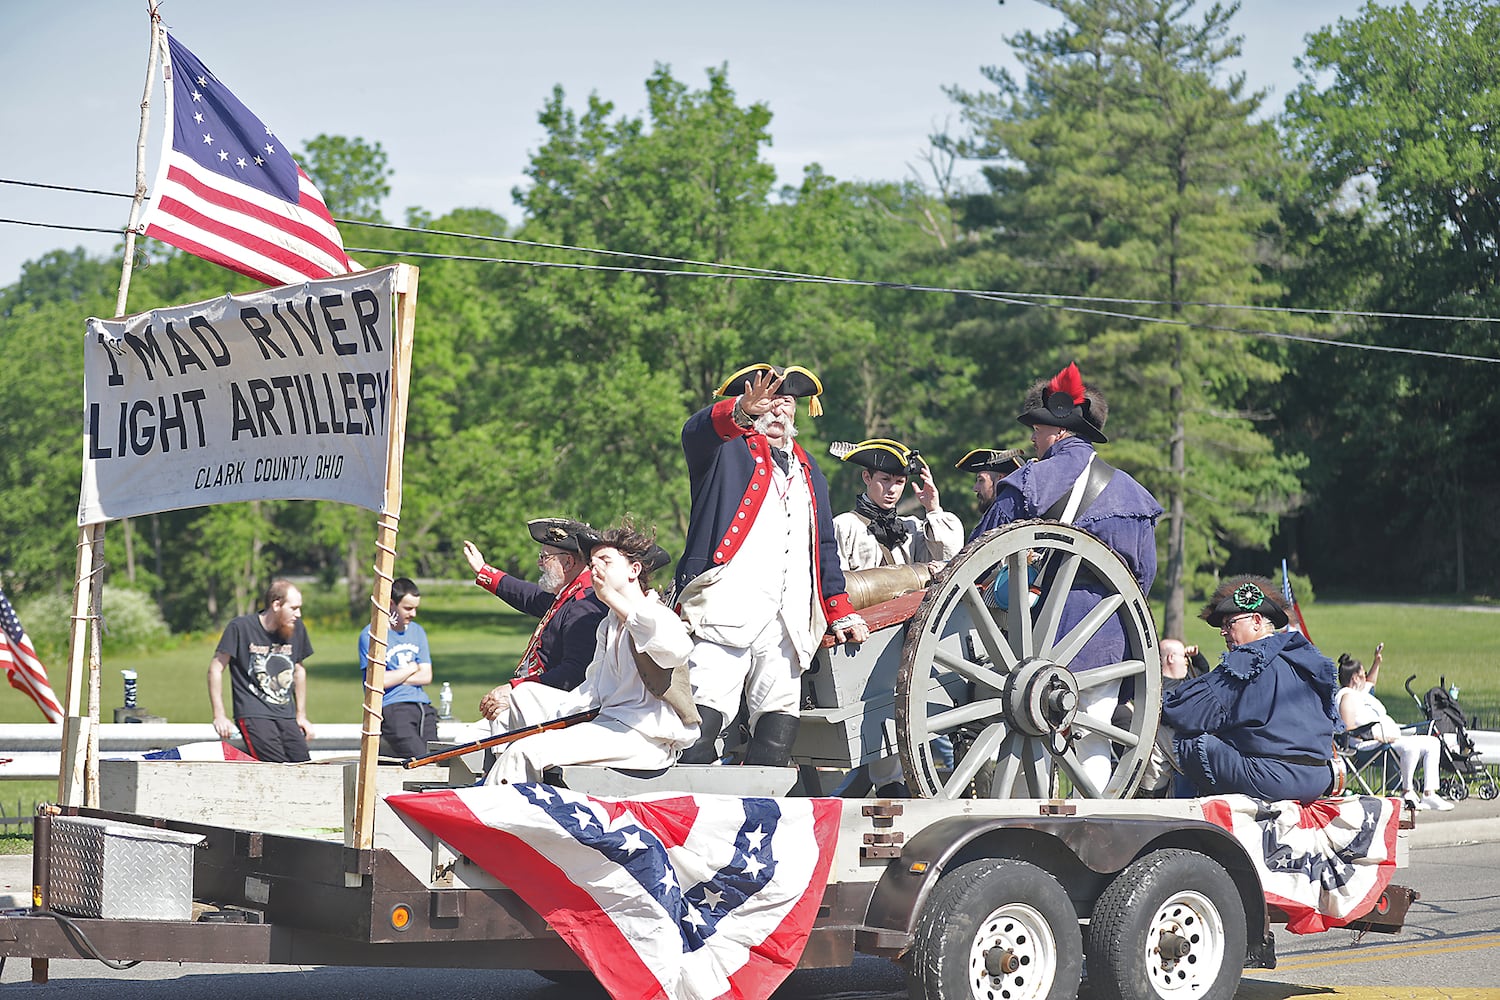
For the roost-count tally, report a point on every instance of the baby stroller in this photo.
(1459, 759)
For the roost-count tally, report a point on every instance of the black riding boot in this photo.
(706, 750)
(771, 746)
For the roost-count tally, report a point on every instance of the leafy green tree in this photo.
(351, 173)
(1399, 215)
(1129, 166)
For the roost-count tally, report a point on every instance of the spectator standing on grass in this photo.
(263, 653)
(408, 721)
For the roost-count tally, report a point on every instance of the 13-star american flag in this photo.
(19, 660)
(683, 897)
(229, 192)
(1323, 864)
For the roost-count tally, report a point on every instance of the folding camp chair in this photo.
(1376, 771)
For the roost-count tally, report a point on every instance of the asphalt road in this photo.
(1450, 948)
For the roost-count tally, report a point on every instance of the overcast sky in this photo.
(451, 88)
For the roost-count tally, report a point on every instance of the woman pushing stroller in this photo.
(1369, 726)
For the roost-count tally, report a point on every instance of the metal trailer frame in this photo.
(278, 899)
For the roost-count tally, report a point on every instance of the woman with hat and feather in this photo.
(1262, 723)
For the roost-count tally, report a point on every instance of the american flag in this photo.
(1323, 864)
(229, 192)
(19, 660)
(1298, 622)
(682, 897)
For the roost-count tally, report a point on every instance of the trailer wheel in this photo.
(1172, 927)
(996, 930)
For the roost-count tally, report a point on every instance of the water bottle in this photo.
(445, 702)
(130, 695)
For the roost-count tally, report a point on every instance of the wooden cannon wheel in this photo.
(997, 683)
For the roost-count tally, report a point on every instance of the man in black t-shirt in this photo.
(264, 653)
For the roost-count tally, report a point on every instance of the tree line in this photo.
(1141, 212)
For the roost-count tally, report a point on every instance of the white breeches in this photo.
(604, 742)
(766, 673)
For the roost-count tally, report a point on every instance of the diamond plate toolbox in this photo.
(102, 868)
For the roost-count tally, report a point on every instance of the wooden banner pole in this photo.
(78, 779)
(385, 560)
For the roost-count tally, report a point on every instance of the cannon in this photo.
(991, 675)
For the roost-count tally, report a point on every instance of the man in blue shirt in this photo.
(408, 721)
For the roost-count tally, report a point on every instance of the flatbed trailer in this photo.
(915, 881)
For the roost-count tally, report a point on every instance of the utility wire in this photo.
(65, 187)
(745, 272)
(1295, 310)
(971, 293)
(119, 230)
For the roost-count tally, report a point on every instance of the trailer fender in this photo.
(1084, 853)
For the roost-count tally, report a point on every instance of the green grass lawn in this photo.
(476, 641)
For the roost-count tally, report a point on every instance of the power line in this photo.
(65, 187)
(118, 231)
(970, 293)
(746, 272)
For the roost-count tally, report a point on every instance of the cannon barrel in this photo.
(868, 587)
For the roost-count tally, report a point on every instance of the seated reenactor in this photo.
(637, 678)
(1262, 723)
(563, 643)
(873, 534)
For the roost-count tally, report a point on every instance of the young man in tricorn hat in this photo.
(759, 580)
(1262, 723)
(873, 534)
(564, 600)
(1070, 483)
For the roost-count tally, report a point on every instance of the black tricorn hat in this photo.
(655, 558)
(795, 381)
(1001, 462)
(879, 455)
(1066, 405)
(1243, 595)
(558, 532)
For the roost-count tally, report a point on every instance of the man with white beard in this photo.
(562, 645)
(759, 581)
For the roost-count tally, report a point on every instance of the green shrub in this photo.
(131, 621)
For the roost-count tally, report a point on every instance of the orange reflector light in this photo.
(401, 917)
(918, 867)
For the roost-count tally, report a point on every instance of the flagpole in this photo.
(363, 834)
(78, 771)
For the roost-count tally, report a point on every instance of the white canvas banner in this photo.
(274, 395)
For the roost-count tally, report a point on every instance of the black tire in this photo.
(996, 930)
(1181, 893)
(1489, 789)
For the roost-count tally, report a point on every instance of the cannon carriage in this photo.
(986, 665)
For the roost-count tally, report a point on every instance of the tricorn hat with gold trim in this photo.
(879, 455)
(558, 532)
(795, 381)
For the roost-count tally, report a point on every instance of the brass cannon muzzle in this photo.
(868, 587)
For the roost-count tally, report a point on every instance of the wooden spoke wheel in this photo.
(996, 680)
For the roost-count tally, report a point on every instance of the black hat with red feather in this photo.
(1065, 404)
